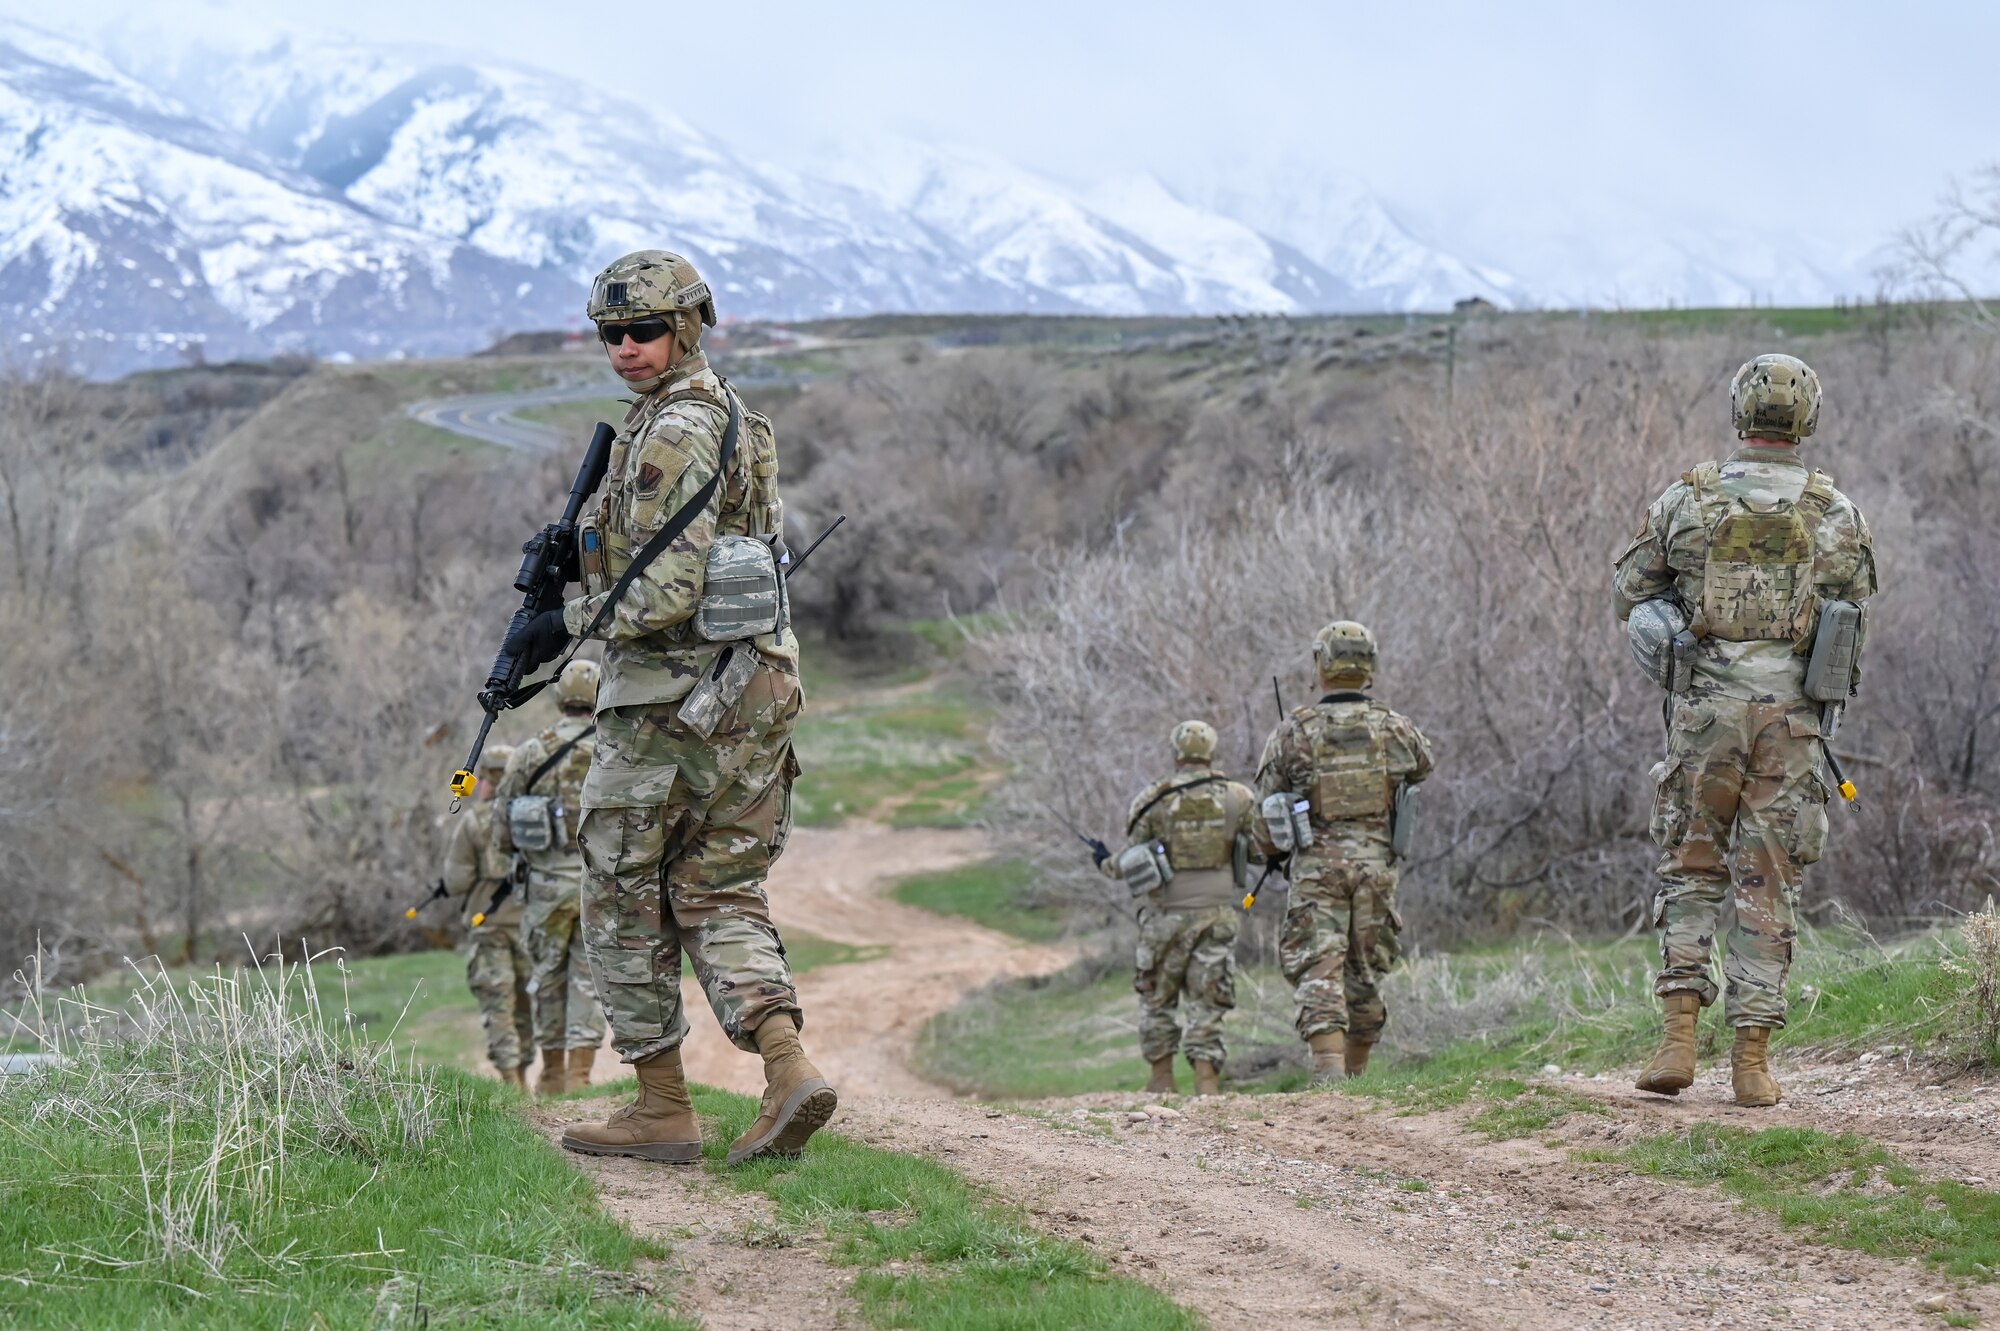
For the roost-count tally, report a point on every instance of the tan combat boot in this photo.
(1329, 1051)
(1750, 1068)
(1355, 1059)
(797, 1100)
(1207, 1078)
(1672, 1068)
(659, 1125)
(514, 1077)
(576, 1068)
(550, 1082)
(1162, 1082)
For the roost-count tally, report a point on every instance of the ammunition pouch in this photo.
(1145, 867)
(1662, 643)
(531, 821)
(1836, 653)
(742, 594)
(1288, 819)
(1402, 820)
(719, 688)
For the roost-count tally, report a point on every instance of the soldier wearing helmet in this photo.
(1744, 553)
(1347, 760)
(497, 968)
(1190, 844)
(689, 799)
(540, 801)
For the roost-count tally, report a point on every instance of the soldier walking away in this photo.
(1332, 776)
(689, 797)
(1742, 595)
(539, 797)
(497, 968)
(1191, 841)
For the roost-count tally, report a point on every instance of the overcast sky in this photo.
(1841, 120)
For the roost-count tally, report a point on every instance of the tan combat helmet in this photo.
(649, 282)
(1344, 651)
(576, 686)
(493, 759)
(1194, 741)
(1775, 395)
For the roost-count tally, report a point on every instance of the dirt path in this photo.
(862, 1018)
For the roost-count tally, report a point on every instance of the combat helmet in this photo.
(493, 759)
(1194, 741)
(576, 686)
(1775, 395)
(1344, 651)
(649, 282)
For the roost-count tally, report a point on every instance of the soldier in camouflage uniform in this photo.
(1748, 549)
(689, 800)
(539, 800)
(1345, 756)
(1187, 925)
(497, 968)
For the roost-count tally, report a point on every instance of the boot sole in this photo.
(666, 1153)
(1663, 1087)
(804, 1112)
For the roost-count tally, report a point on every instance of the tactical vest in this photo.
(1350, 747)
(1757, 572)
(1198, 833)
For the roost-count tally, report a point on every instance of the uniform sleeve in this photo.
(1411, 750)
(461, 858)
(677, 458)
(501, 839)
(1860, 584)
(1642, 572)
(1248, 824)
(1275, 771)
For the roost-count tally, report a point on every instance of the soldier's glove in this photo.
(538, 641)
(1099, 852)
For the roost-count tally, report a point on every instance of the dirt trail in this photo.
(862, 1018)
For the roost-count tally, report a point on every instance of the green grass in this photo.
(1516, 1109)
(988, 893)
(971, 1263)
(914, 757)
(256, 1165)
(1842, 1190)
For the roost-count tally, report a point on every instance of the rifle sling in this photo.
(1171, 790)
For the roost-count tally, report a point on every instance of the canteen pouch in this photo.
(741, 592)
(719, 688)
(1144, 867)
(1402, 820)
(1276, 811)
(1836, 652)
(1662, 643)
(531, 821)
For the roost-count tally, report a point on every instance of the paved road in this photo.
(490, 418)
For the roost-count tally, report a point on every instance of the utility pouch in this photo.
(531, 822)
(718, 689)
(1302, 826)
(1836, 651)
(1276, 811)
(741, 594)
(1145, 867)
(1402, 820)
(1662, 643)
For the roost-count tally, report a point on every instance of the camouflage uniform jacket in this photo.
(1668, 556)
(474, 866)
(1349, 748)
(667, 450)
(1208, 824)
(563, 784)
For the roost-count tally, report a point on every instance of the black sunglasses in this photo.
(639, 330)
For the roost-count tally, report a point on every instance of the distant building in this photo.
(1474, 305)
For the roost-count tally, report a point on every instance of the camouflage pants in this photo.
(567, 1013)
(678, 835)
(1739, 809)
(497, 970)
(1341, 936)
(1187, 953)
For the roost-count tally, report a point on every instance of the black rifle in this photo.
(501, 893)
(436, 894)
(548, 565)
